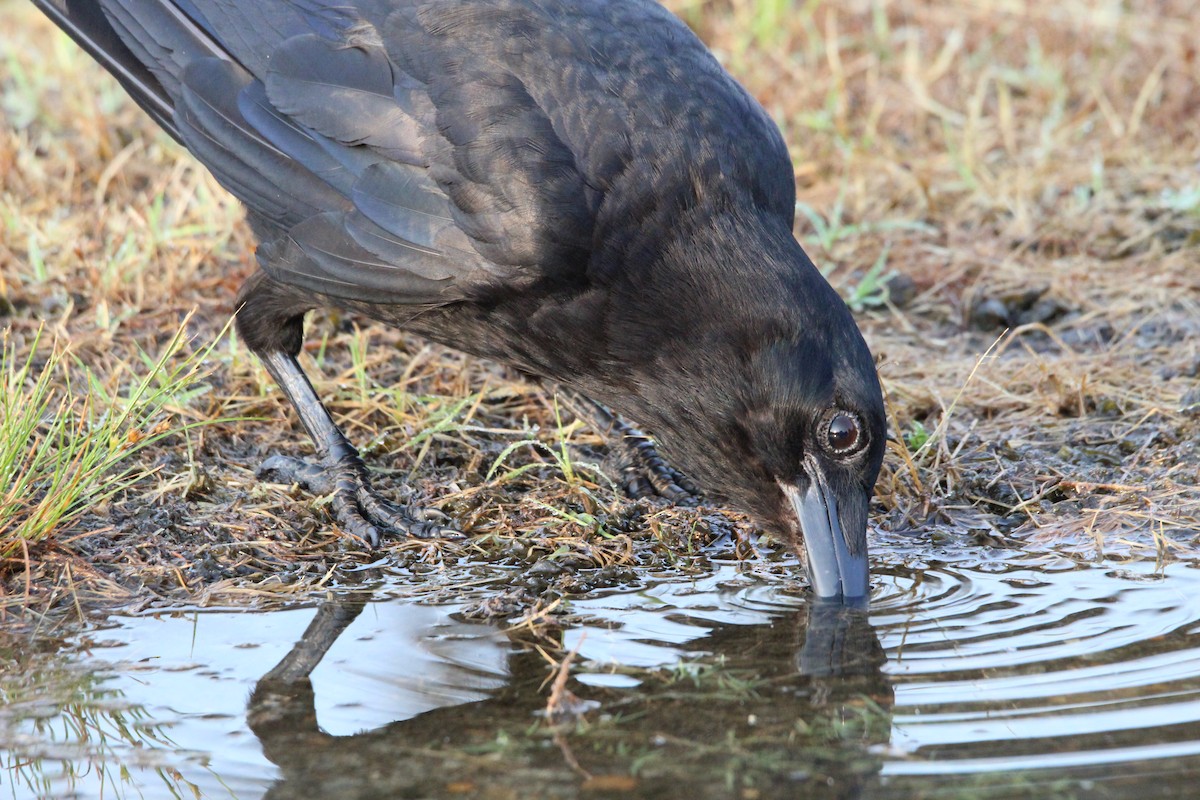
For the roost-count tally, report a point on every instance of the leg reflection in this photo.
(790, 707)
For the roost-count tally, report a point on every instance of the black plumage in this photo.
(573, 187)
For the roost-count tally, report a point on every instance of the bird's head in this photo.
(796, 438)
(806, 445)
(776, 407)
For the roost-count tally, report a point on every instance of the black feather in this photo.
(321, 251)
(344, 93)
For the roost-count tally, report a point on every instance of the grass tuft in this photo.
(69, 442)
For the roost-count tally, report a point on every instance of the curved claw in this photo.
(359, 510)
(642, 471)
(649, 473)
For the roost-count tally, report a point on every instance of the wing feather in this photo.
(413, 152)
(345, 93)
(259, 174)
(321, 255)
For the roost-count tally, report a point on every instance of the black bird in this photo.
(572, 187)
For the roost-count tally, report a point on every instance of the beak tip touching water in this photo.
(835, 573)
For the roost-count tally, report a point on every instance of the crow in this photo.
(575, 188)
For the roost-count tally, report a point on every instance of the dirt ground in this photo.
(1006, 192)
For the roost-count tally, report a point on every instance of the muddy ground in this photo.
(1008, 195)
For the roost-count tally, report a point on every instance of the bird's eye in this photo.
(844, 433)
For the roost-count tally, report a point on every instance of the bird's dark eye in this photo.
(844, 434)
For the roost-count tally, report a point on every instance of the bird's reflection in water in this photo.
(785, 709)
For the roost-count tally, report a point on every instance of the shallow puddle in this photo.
(979, 674)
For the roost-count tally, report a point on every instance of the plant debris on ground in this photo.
(1008, 196)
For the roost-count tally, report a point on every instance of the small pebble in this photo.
(1189, 405)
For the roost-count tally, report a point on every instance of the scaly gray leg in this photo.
(642, 471)
(270, 321)
(359, 509)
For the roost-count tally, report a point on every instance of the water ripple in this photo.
(1029, 669)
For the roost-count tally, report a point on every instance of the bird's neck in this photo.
(711, 274)
(714, 286)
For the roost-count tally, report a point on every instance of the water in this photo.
(978, 674)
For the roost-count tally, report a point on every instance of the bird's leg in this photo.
(270, 321)
(642, 472)
(359, 509)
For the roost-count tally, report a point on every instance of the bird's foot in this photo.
(645, 473)
(641, 471)
(358, 508)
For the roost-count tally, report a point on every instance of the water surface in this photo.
(976, 673)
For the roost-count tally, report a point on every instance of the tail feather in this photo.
(145, 44)
(86, 23)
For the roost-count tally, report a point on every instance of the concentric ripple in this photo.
(967, 621)
(1010, 670)
(1084, 671)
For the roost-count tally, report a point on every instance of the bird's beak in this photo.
(834, 572)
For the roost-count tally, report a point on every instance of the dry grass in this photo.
(1027, 176)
